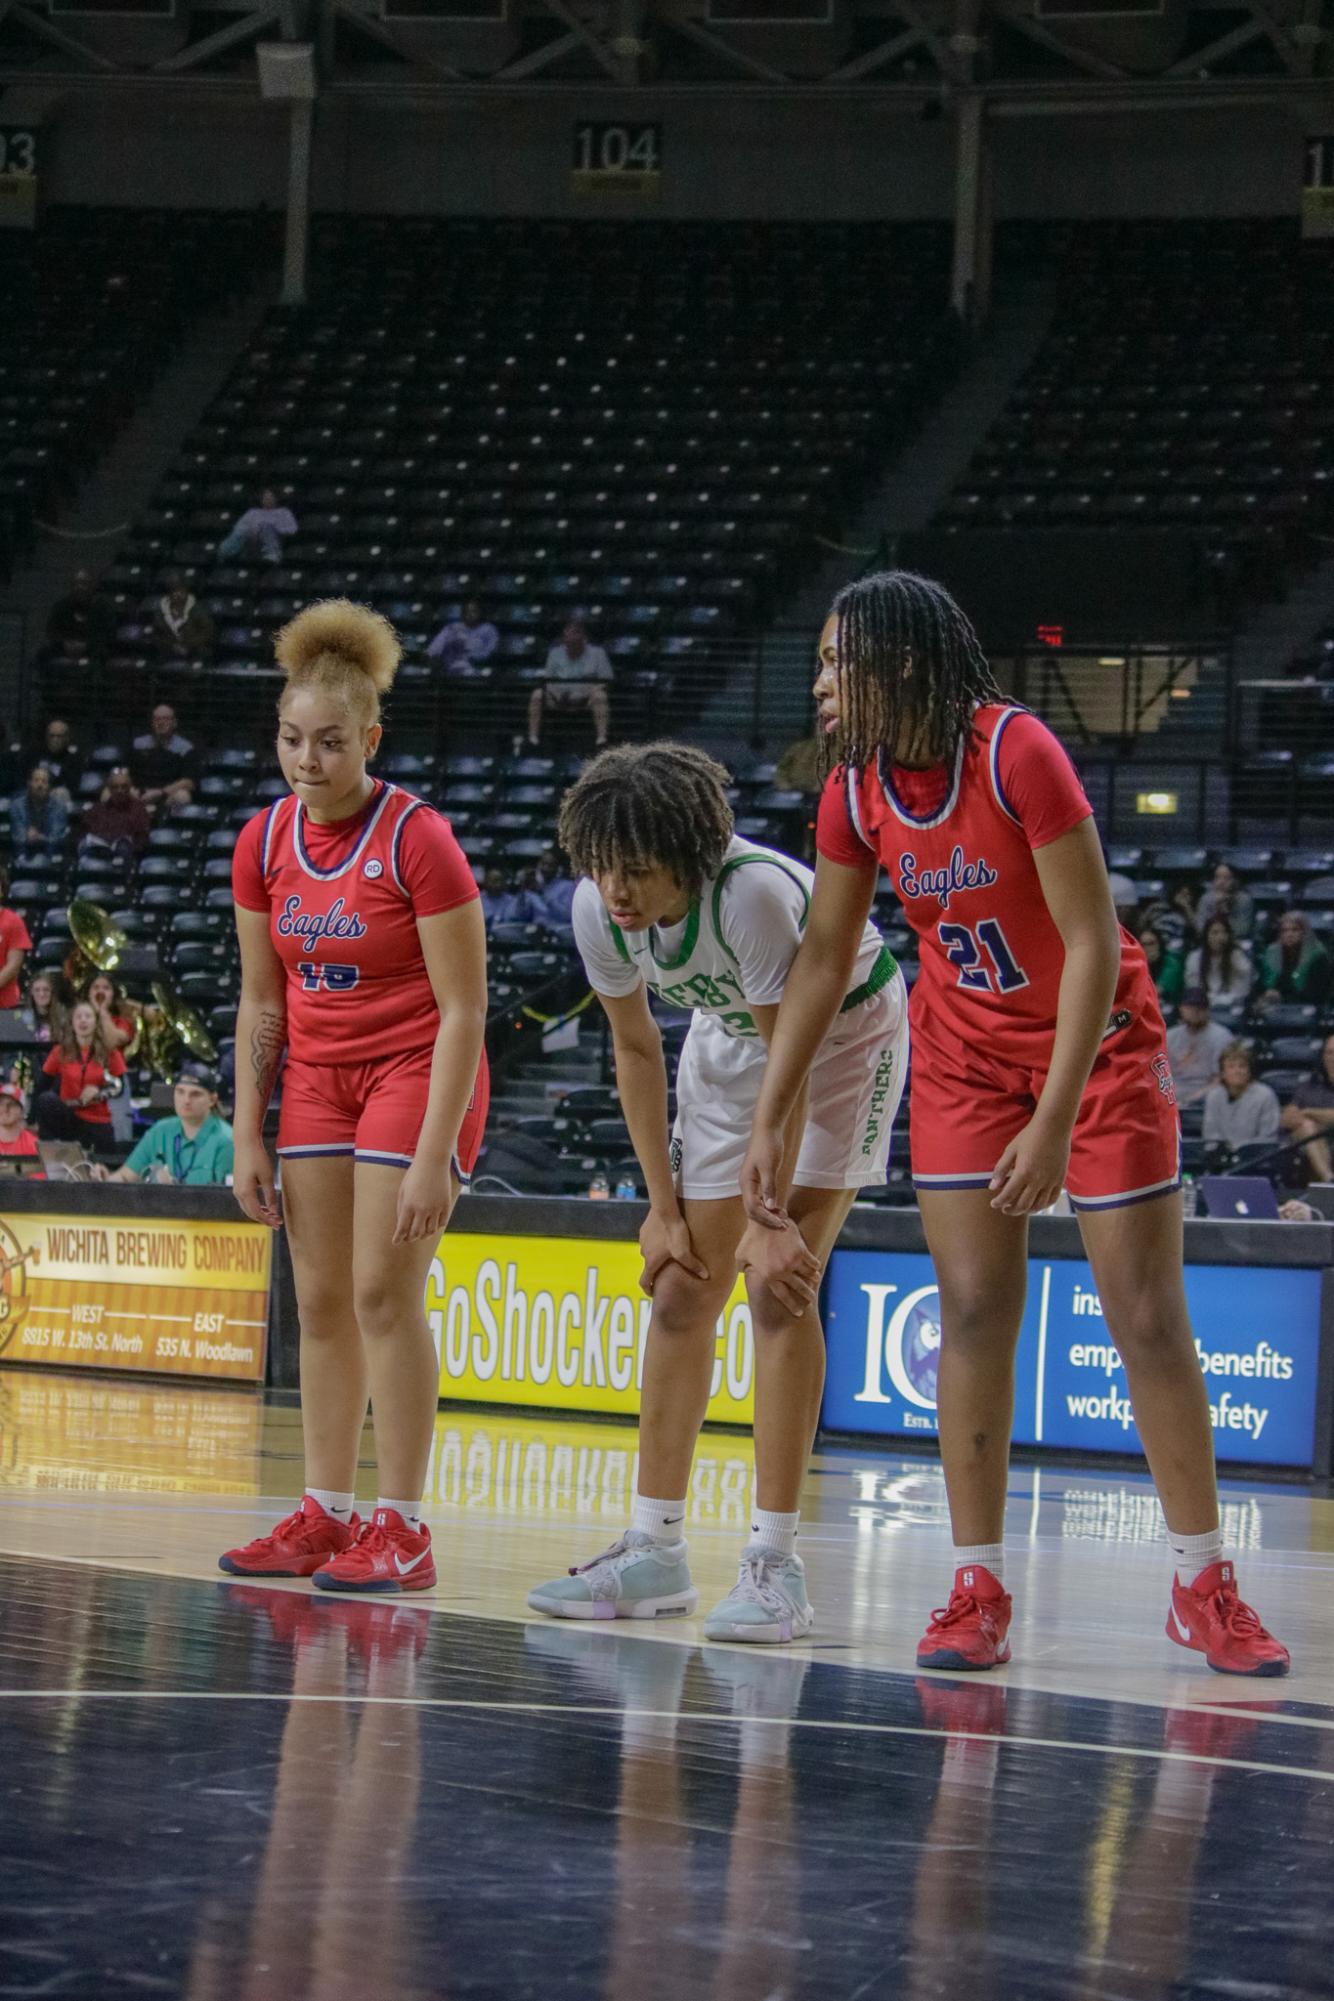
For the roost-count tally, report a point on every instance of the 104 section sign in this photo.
(187, 1299)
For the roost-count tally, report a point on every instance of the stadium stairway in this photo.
(92, 528)
(916, 482)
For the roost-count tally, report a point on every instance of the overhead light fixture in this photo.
(1111, 659)
(1156, 802)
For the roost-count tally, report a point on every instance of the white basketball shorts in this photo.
(857, 1081)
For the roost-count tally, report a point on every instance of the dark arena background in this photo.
(597, 345)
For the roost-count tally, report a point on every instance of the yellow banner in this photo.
(559, 1323)
(185, 1298)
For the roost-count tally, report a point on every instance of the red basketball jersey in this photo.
(962, 867)
(343, 902)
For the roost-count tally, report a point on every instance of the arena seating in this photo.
(648, 423)
(96, 302)
(1187, 382)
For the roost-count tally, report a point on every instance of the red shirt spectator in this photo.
(14, 942)
(85, 1071)
(15, 1139)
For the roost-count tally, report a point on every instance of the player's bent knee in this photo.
(682, 1305)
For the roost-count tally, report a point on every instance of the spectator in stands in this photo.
(16, 1142)
(182, 626)
(1225, 897)
(1195, 1047)
(1221, 966)
(89, 1075)
(465, 642)
(259, 534)
(1239, 1109)
(555, 892)
(503, 905)
(38, 819)
(41, 1009)
(1310, 1114)
(163, 764)
(14, 942)
(112, 1010)
(576, 676)
(1296, 966)
(1184, 904)
(1169, 976)
(191, 1150)
(57, 753)
(82, 624)
(118, 822)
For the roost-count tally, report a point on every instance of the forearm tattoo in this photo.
(266, 1047)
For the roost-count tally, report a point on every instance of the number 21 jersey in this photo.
(343, 901)
(958, 846)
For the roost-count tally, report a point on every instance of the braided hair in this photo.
(649, 805)
(910, 671)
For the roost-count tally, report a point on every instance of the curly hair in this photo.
(910, 670)
(342, 650)
(649, 805)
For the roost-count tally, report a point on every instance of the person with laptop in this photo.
(1239, 1109)
(16, 1141)
(191, 1150)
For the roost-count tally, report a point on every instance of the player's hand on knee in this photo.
(1031, 1172)
(780, 1259)
(665, 1239)
(759, 1177)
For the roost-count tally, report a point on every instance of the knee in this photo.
(976, 1318)
(323, 1313)
(379, 1310)
(681, 1306)
(1146, 1328)
(769, 1318)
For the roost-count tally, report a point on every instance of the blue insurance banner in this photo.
(1257, 1330)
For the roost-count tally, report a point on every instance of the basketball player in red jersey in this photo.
(1039, 1062)
(363, 953)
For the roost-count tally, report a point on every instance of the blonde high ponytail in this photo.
(341, 650)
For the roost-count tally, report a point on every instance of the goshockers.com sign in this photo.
(559, 1323)
(180, 1299)
(1257, 1332)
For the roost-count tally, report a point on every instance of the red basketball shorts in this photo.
(372, 1111)
(968, 1103)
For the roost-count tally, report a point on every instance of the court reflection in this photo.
(330, 1914)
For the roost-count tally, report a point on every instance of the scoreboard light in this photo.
(1051, 635)
(1157, 803)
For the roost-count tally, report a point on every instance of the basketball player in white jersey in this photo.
(673, 906)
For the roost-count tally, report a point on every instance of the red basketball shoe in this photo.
(386, 1556)
(298, 1546)
(1210, 1617)
(968, 1634)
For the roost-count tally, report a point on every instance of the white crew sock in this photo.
(1193, 1553)
(411, 1512)
(663, 1520)
(982, 1556)
(773, 1532)
(335, 1504)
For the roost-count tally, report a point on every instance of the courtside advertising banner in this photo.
(559, 1323)
(1257, 1331)
(165, 1298)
